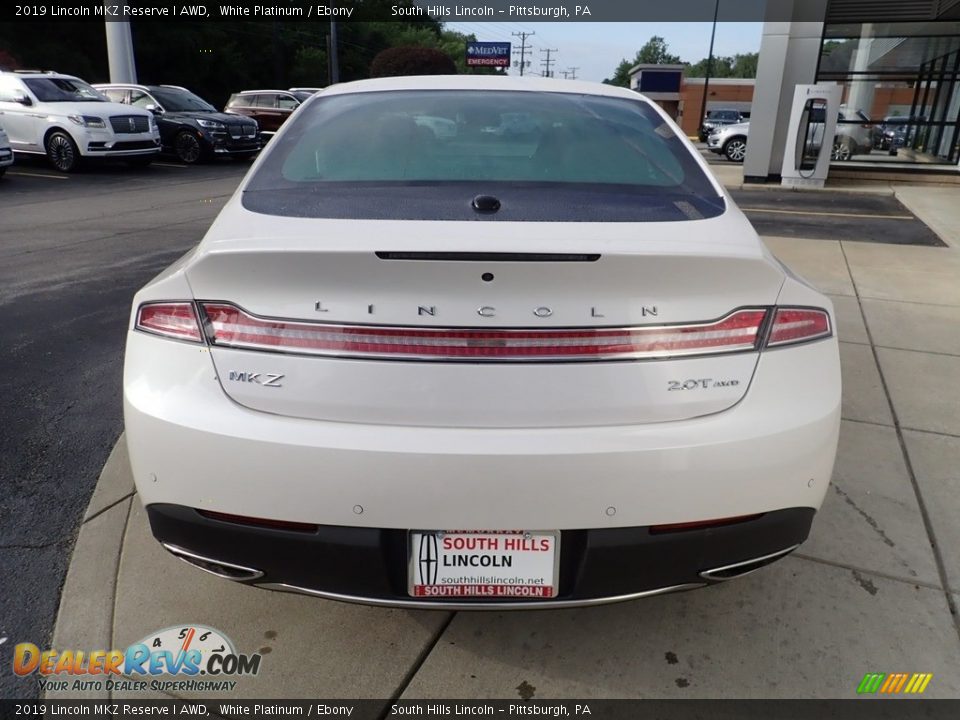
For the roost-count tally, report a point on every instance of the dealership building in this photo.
(892, 58)
(897, 62)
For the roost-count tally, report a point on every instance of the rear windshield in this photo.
(426, 154)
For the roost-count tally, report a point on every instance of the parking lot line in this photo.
(173, 165)
(828, 214)
(41, 175)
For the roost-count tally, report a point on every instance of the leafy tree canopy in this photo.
(657, 52)
(654, 52)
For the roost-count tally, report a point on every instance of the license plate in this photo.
(500, 565)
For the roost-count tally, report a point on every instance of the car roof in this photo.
(139, 86)
(482, 82)
(39, 74)
(249, 92)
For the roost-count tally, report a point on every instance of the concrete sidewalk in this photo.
(873, 590)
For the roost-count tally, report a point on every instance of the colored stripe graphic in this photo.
(894, 683)
(889, 682)
(914, 683)
(870, 683)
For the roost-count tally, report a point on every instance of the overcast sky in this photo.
(597, 48)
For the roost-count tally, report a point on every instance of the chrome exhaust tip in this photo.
(225, 570)
(729, 572)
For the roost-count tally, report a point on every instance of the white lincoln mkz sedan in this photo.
(538, 359)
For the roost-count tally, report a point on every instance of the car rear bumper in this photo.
(369, 565)
(191, 445)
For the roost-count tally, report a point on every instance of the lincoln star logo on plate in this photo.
(428, 558)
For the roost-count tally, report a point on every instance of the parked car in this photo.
(6, 152)
(717, 119)
(190, 127)
(731, 141)
(488, 371)
(270, 108)
(310, 90)
(851, 138)
(64, 118)
(897, 131)
(855, 132)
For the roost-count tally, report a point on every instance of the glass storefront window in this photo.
(901, 91)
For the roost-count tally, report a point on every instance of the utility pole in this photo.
(333, 63)
(547, 62)
(123, 68)
(706, 80)
(573, 72)
(523, 48)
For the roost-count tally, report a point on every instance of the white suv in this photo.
(62, 117)
(6, 154)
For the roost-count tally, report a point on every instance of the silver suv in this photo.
(64, 118)
(854, 136)
(730, 140)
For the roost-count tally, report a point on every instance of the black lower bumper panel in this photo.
(372, 563)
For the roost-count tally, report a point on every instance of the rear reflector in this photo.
(231, 327)
(260, 522)
(174, 319)
(701, 524)
(793, 325)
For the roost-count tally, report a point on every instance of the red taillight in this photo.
(171, 319)
(793, 325)
(232, 327)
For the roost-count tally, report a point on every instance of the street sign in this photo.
(490, 54)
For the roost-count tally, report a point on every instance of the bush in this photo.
(8, 61)
(411, 61)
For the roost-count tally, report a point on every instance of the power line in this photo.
(547, 62)
(570, 73)
(523, 48)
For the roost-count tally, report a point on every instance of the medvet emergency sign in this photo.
(491, 54)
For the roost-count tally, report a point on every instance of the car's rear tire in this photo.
(62, 151)
(842, 149)
(187, 147)
(735, 149)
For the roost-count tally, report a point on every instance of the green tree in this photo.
(745, 65)
(741, 65)
(654, 52)
(411, 60)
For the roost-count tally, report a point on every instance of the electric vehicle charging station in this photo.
(813, 126)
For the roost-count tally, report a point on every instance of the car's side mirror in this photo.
(22, 99)
(154, 109)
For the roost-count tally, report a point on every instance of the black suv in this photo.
(716, 119)
(190, 127)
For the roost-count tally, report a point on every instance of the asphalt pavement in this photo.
(73, 250)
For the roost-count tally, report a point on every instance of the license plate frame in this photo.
(421, 543)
